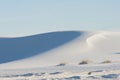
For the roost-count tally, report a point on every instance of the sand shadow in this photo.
(19, 48)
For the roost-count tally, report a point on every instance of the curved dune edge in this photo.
(93, 46)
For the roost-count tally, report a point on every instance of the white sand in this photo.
(94, 47)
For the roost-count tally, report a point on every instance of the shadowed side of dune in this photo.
(12, 49)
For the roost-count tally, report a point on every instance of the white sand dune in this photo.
(53, 48)
(69, 47)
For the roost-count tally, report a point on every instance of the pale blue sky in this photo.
(26, 17)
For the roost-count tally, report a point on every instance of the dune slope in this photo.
(50, 49)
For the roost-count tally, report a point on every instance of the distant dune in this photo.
(54, 48)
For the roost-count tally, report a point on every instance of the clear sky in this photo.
(26, 17)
